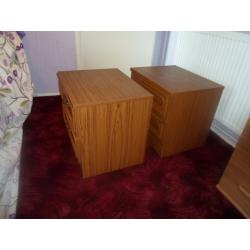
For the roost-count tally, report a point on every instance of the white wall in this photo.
(223, 57)
(108, 49)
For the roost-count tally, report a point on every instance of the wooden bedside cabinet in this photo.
(107, 116)
(235, 182)
(183, 108)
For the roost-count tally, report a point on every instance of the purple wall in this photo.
(160, 48)
(49, 52)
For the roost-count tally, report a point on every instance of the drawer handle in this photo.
(65, 101)
(244, 191)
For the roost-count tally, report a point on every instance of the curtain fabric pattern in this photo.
(16, 93)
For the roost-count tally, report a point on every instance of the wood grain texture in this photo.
(183, 108)
(235, 182)
(92, 87)
(175, 79)
(108, 126)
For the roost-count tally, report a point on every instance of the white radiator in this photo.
(223, 57)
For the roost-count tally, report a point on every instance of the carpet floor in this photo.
(51, 185)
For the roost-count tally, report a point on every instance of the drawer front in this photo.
(235, 184)
(159, 107)
(156, 126)
(160, 97)
(155, 142)
(64, 95)
(68, 114)
(239, 177)
(76, 144)
(67, 109)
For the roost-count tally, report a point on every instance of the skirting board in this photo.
(46, 94)
(225, 133)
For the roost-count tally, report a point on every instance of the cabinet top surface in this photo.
(86, 87)
(175, 79)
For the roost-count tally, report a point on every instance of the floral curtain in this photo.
(16, 92)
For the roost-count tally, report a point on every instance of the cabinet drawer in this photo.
(239, 177)
(159, 107)
(155, 142)
(67, 111)
(64, 96)
(76, 144)
(158, 101)
(156, 126)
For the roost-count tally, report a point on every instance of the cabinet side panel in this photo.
(190, 115)
(201, 117)
(113, 135)
(233, 184)
(116, 135)
(235, 181)
(176, 127)
(138, 119)
(103, 135)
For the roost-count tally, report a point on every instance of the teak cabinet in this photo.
(235, 181)
(183, 108)
(107, 116)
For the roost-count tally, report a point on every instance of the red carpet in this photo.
(51, 185)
